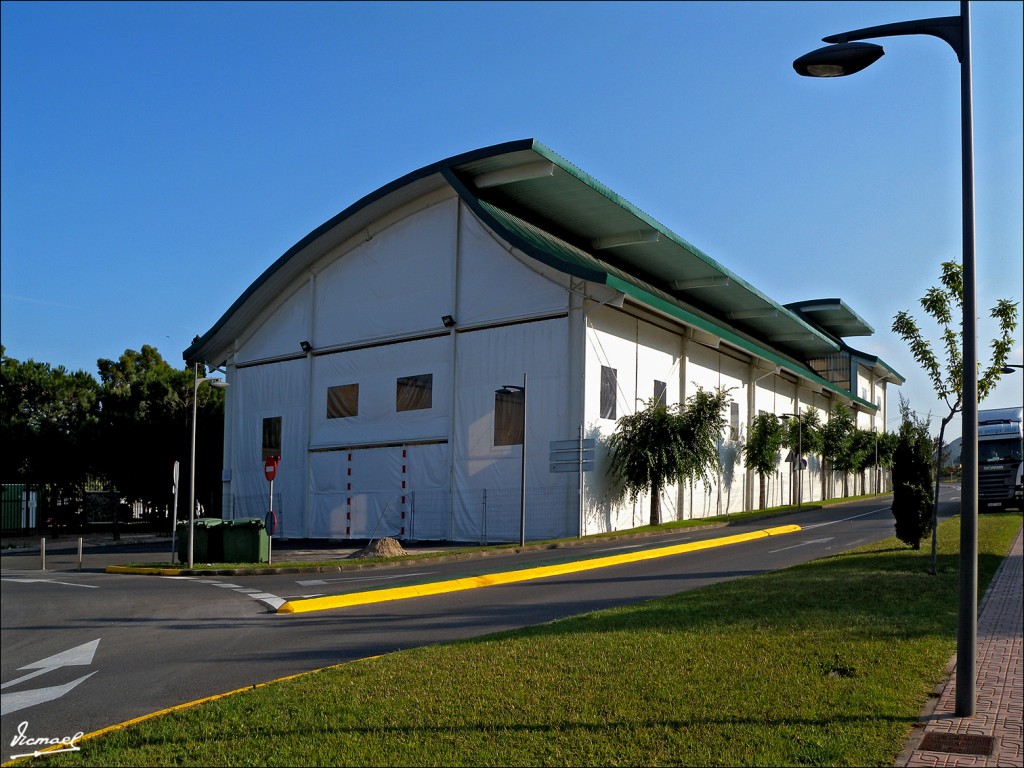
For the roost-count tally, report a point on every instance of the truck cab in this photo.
(1000, 439)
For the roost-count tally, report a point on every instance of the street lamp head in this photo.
(838, 60)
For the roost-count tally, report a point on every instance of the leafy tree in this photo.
(660, 445)
(48, 418)
(761, 451)
(862, 454)
(912, 503)
(946, 376)
(886, 447)
(837, 440)
(147, 409)
(802, 435)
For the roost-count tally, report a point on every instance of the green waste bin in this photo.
(246, 541)
(207, 544)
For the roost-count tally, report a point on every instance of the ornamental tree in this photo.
(661, 445)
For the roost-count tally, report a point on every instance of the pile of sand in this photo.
(383, 547)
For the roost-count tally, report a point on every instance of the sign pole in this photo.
(174, 514)
(270, 472)
(581, 483)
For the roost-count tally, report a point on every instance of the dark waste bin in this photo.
(207, 544)
(246, 541)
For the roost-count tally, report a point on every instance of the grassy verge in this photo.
(828, 663)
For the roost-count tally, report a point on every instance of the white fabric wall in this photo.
(495, 285)
(485, 361)
(327, 484)
(281, 330)
(398, 282)
(266, 391)
(376, 370)
(640, 353)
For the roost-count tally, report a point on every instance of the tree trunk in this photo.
(764, 490)
(935, 499)
(655, 504)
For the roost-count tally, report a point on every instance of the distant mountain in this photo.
(951, 456)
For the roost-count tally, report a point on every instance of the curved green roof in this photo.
(558, 214)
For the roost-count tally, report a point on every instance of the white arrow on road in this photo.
(802, 544)
(78, 656)
(12, 702)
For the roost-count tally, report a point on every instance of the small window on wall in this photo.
(661, 392)
(509, 417)
(343, 401)
(609, 387)
(414, 393)
(734, 421)
(271, 437)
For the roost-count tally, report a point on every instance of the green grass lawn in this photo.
(828, 663)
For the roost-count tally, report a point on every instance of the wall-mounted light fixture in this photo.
(448, 320)
(306, 346)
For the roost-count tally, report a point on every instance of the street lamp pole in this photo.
(214, 382)
(508, 389)
(845, 57)
(522, 477)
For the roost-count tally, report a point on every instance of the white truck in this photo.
(1000, 438)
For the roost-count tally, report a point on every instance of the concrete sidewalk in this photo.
(993, 736)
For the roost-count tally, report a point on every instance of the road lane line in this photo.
(511, 577)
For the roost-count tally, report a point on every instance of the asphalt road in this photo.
(83, 650)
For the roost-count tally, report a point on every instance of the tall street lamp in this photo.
(507, 390)
(845, 57)
(214, 382)
(799, 455)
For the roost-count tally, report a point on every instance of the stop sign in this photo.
(270, 467)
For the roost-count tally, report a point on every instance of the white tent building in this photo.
(374, 357)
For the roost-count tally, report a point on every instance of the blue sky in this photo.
(157, 157)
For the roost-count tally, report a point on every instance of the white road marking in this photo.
(843, 520)
(802, 544)
(320, 582)
(50, 581)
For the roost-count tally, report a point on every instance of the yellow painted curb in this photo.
(510, 577)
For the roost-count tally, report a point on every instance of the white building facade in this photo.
(383, 359)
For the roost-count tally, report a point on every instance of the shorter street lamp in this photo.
(1011, 368)
(799, 455)
(508, 389)
(217, 383)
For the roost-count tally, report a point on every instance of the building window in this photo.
(271, 437)
(509, 417)
(414, 393)
(343, 401)
(734, 421)
(661, 392)
(609, 387)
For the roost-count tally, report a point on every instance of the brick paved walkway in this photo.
(1000, 686)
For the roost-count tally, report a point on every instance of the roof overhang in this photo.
(833, 316)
